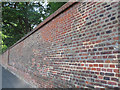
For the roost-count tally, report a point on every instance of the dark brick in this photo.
(107, 20)
(65, 45)
(104, 4)
(99, 61)
(82, 11)
(100, 49)
(79, 9)
(118, 66)
(84, 3)
(92, 80)
(114, 22)
(87, 71)
(114, 14)
(109, 31)
(94, 76)
(104, 25)
(112, 18)
(107, 78)
(109, 74)
(112, 56)
(101, 15)
(109, 52)
(101, 73)
(89, 23)
(80, 35)
(103, 81)
(87, 18)
(94, 21)
(84, 78)
(94, 49)
(94, 15)
(109, 15)
(84, 34)
(111, 47)
(109, 8)
(92, 72)
(115, 79)
(97, 34)
(118, 16)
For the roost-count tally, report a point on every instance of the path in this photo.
(11, 81)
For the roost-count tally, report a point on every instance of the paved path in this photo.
(11, 81)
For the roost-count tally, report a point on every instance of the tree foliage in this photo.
(19, 18)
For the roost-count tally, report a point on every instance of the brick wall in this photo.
(4, 60)
(77, 47)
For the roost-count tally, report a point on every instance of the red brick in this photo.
(112, 83)
(82, 64)
(86, 82)
(102, 11)
(90, 65)
(118, 75)
(107, 61)
(100, 77)
(93, 68)
(116, 38)
(115, 79)
(84, 68)
(100, 65)
(106, 65)
(109, 70)
(78, 87)
(103, 69)
(112, 65)
(98, 69)
(95, 65)
(99, 61)
(116, 70)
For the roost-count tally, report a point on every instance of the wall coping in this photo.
(47, 20)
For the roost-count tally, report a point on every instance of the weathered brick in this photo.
(112, 83)
(117, 75)
(109, 74)
(99, 61)
(116, 70)
(107, 61)
(100, 65)
(95, 65)
(116, 38)
(100, 77)
(101, 73)
(112, 18)
(109, 70)
(109, 31)
(102, 81)
(115, 79)
(112, 65)
(106, 78)
(109, 8)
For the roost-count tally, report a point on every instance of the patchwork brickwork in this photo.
(78, 48)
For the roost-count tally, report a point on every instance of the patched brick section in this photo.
(78, 48)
